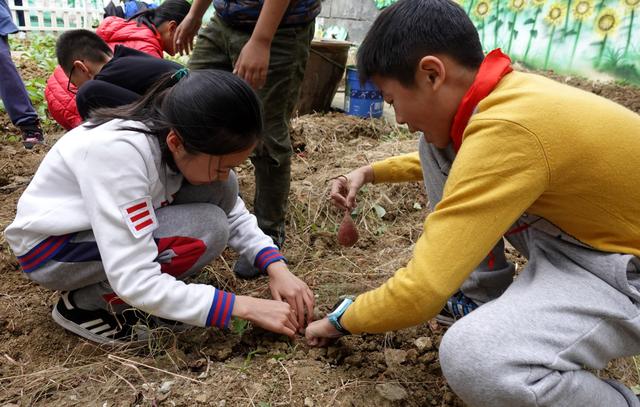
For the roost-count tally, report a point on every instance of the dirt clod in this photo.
(424, 343)
(391, 391)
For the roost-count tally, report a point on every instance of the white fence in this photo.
(56, 15)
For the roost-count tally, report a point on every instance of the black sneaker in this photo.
(102, 326)
(456, 307)
(31, 135)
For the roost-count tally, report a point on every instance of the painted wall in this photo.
(588, 37)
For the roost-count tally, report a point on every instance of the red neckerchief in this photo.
(494, 66)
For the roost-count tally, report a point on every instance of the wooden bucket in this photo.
(325, 68)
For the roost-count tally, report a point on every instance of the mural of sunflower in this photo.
(582, 10)
(554, 15)
(481, 10)
(516, 7)
(533, 32)
(631, 6)
(554, 18)
(606, 24)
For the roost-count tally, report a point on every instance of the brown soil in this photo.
(41, 364)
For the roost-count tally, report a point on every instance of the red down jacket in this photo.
(115, 31)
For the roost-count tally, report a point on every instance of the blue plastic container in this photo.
(362, 101)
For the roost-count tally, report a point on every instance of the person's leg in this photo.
(272, 159)
(192, 231)
(188, 238)
(571, 308)
(494, 274)
(218, 47)
(212, 47)
(96, 94)
(16, 99)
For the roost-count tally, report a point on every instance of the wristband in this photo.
(336, 314)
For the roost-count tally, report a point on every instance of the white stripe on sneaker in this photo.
(100, 328)
(89, 324)
(109, 333)
(65, 299)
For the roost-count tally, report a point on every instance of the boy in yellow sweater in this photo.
(554, 170)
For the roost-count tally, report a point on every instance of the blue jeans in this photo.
(12, 91)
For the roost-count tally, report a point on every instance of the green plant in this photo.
(239, 326)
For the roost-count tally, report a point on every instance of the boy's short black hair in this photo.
(410, 29)
(84, 45)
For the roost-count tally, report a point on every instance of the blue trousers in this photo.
(12, 91)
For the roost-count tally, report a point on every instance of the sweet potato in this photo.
(347, 233)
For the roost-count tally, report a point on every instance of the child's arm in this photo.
(115, 184)
(498, 174)
(253, 62)
(274, 316)
(246, 238)
(188, 28)
(402, 168)
(285, 286)
(344, 188)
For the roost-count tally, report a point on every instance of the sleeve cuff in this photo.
(267, 256)
(221, 308)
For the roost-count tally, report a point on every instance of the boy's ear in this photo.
(171, 26)
(431, 72)
(79, 65)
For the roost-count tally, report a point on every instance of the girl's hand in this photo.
(344, 188)
(274, 316)
(186, 31)
(286, 287)
(253, 63)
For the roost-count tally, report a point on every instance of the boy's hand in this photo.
(253, 63)
(321, 333)
(344, 188)
(287, 287)
(185, 33)
(274, 316)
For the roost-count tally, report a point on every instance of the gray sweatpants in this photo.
(197, 213)
(571, 308)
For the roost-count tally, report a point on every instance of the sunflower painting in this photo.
(481, 10)
(554, 18)
(516, 7)
(568, 36)
(582, 10)
(533, 32)
(631, 6)
(606, 24)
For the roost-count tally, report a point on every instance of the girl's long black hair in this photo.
(169, 10)
(214, 112)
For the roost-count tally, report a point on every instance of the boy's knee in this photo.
(478, 367)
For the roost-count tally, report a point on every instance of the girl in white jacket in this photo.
(123, 208)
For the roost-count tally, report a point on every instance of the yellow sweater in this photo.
(533, 146)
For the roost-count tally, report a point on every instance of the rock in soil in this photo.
(391, 391)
